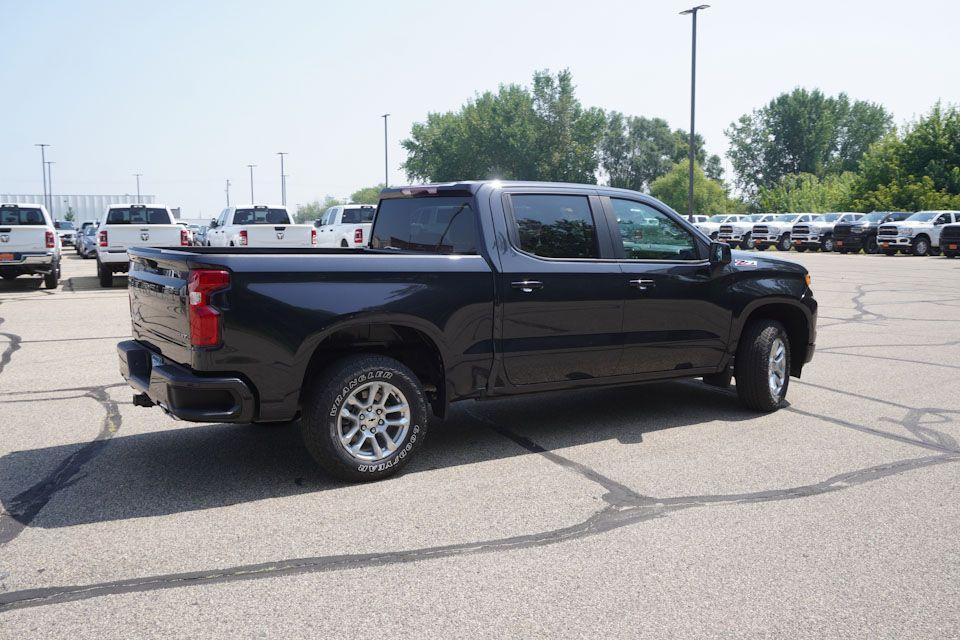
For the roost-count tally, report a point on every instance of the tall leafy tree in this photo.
(807, 193)
(367, 195)
(709, 196)
(802, 132)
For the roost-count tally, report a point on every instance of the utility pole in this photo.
(50, 186)
(693, 100)
(227, 191)
(43, 168)
(386, 164)
(283, 179)
(138, 186)
(251, 166)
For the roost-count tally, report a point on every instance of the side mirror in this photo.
(720, 253)
(213, 224)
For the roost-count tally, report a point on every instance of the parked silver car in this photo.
(87, 242)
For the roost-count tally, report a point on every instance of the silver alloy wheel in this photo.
(922, 247)
(777, 367)
(374, 421)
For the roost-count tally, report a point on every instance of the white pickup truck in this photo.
(741, 232)
(776, 232)
(711, 226)
(818, 233)
(29, 243)
(345, 225)
(133, 225)
(919, 234)
(259, 226)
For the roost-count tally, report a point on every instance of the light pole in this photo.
(386, 164)
(138, 186)
(50, 186)
(693, 100)
(251, 166)
(43, 167)
(227, 191)
(283, 179)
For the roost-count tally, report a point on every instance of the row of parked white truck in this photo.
(889, 232)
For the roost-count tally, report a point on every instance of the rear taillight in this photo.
(358, 236)
(184, 238)
(103, 238)
(51, 240)
(205, 318)
(243, 237)
(313, 237)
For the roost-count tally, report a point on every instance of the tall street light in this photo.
(693, 100)
(227, 191)
(386, 164)
(251, 166)
(283, 179)
(50, 186)
(138, 175)
(43, 168)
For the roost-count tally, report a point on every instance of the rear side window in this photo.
(355, 216)
(261, 216)
(138, 215)
(430, 225)
(10, 216)
(555, 226)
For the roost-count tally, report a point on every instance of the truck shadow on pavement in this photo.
(191, 468)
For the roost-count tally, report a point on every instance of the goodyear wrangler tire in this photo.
(364, 417)
(762, 366)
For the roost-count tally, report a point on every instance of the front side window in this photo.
(430, 225)
(649, 234)
(555, 226)
(138, 215)
(944, 219)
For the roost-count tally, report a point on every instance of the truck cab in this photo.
(862, 234)
(124, 226)
(29, 243)
(345, 226)
(259, 225)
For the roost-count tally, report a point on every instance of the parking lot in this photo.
(652, 511)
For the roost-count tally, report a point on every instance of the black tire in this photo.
(827, 244)
(52, 279)
(934, 251)
(800, 248)
(843, 251)
(889, 252)
(105, 275)
(950, 254)
(871, 248)
(9, 276)
(784, 243)
(753, 367)
(325, 396)
(713, 236)
(745, 242)
(762, 247)
(921, 246)
(344, 245)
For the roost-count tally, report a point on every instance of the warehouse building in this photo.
(83, 207)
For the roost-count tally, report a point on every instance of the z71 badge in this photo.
(745, 263)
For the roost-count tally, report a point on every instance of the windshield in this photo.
(922, 216)
(873, 217)
(788, 217)
(829, 217)
(430, 225)
(63, 224)
(717, 218)
(360, 215)
(138, 215)
(15, 215)
(261, 215)
(90, 231)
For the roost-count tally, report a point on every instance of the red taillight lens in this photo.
(243, 237)
(184, 238)
(358, 236)
(313, 237)
(103, 239)
(205, 318)
(51, 240)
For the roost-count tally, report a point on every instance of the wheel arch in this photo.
(795, 318)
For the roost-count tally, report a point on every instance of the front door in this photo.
(562, 302)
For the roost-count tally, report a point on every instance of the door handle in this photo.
(642, 284)
(527, 286)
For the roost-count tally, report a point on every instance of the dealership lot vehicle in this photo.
(950, 240)
(377, 340)
(862, 234)
(818, 233)
(66, 231)
(918, 235)
(345, 225)
(739, 233)
(29, 243)
(259, 226)
(87, 243)
(125, 226)
(200, 237)
(776, 232)
(711, 226)
(80, 232)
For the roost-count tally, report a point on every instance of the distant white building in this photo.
(83, 207)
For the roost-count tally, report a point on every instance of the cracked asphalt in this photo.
(652, 511)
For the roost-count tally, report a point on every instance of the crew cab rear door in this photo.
(562, 295)
(673, 319)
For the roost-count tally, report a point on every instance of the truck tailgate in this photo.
(279, 235)
(123, 236)
(17, 239)
(158, 305)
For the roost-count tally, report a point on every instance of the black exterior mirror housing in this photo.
(213, 224)
(720, 253)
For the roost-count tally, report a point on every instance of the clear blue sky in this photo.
(189, 93)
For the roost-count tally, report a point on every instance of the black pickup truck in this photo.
(466, 290)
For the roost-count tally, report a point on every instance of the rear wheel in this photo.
(52, 279)
(364, 417)
(105, 275)
(344, 245)
(763, 365)
(784, 243)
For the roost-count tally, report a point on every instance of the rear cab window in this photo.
(261, 215)
(440, 224)
(21, 216)
(138, 215)
(358, 216)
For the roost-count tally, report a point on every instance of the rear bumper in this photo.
(113, 257)
(181, 391)
(29, 263)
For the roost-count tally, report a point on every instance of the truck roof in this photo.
(145, 205)
(472, 186)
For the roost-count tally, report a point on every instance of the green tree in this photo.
(709, 196)
(805, 192)
(311, 211)
(367, 195)
(918, 170)
(802, 132)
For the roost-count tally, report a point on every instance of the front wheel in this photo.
(364, 417)
(746, 241)
(784, 243)
(872, 247)
(800, 248)
(762, 367)
(921, 246)
(827, 244)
